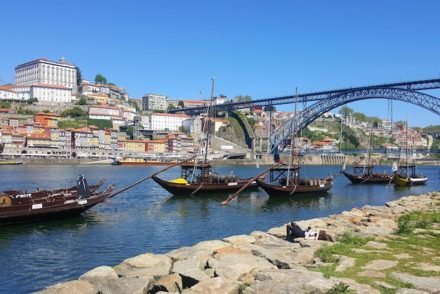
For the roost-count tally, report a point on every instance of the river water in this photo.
(149, 219)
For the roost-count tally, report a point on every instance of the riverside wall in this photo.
(261, 262)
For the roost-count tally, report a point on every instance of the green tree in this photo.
(74, 112)
(170, 107)
(32, 101)
(181, 104)
(5, 104)
(82, 101)
(100, 79)
(78, 78)
(345, 111)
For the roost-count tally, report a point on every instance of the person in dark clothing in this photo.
(295, 231)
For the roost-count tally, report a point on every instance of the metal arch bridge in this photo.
(327, 100)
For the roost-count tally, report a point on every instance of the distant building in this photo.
(44, 71)
(154, 102)
(43, 92)
(163, 121)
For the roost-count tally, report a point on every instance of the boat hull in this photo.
(51, 209)
(285, 191)
(373, 179)
(402, 181)
(196, 189)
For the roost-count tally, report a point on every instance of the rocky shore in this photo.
(264, 262)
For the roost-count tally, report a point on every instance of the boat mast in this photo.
(369, 150)
(207, 126)
(292, 142)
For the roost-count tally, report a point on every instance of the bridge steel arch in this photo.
(303, 118)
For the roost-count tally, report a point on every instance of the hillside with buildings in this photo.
(52, 111)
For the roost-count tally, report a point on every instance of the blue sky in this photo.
(258, 48)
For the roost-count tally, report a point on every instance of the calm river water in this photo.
(149, 219)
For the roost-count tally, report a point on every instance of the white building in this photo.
(154, 102)
(6, 93)
(163, 121)
(105, 112)
(44, 71)
(43, 92)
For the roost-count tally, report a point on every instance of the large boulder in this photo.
(170, 283)
(216, 285)
(123, 285)
(71, 287)
(235, 265)
(192, 270)
(240, 239)
(203, 248)
(145, 265)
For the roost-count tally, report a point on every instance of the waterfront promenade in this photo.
(263, 262)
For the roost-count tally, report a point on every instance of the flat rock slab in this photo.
(372, 274)
(234, 266)
(430, 284)
(357, 287)
(240, 239)
(410, 291)
(384, 285)
(380, 264)
(366, 251)
(145, 265)
(428, 267)
(102, 272)
(345, 262)
(289, 281)
(216, 285)
(402, 256)
(123, 285)
(376, 245)
(72, 287)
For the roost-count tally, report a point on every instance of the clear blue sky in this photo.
(257, 48)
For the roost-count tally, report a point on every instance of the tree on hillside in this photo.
(100, 79)
(75, 112)
(346, 111)
(78, 78)
(181, 104)
(82, 101)
(171, 107)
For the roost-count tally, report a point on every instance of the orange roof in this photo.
(6, 88)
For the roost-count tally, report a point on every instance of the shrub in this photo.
(339, 288)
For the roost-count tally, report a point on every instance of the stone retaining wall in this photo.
(261, 262)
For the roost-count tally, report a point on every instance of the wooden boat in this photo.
(45, 193)
(199, 179)
(406, 175)
(285, 181)
(42, 205)
(366, 175)
(10, 162)
(142, 162)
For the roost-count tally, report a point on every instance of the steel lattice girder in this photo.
(311, 97)
(303, 118)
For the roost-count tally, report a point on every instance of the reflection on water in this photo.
(149, 219)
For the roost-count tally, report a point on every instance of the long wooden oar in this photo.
(150, 176)
(248, 183)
